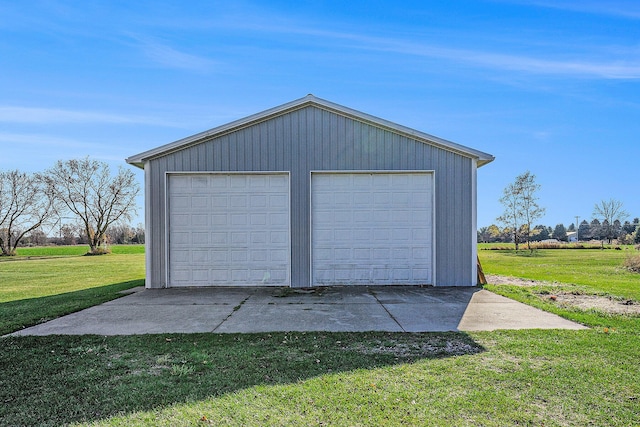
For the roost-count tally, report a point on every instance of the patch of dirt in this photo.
(516, 281)
(602, 303)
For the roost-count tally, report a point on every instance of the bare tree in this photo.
(97, 198)
(35, 238)
(26, 203)
(609, 211)
(120, 234)
(139, 234)
(521, 207)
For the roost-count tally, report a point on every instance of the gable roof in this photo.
(309, 100)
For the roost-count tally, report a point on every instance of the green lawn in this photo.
(583, 271)
(502, 378)
(43, 283)
(50, 251)
(596, 269)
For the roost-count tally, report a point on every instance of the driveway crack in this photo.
(236, 308)
(372, 292)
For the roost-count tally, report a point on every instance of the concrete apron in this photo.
(337, 309)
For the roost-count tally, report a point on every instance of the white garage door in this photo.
(372, 228)
(228, 229)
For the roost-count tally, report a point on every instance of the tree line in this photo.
(73, 234)
(522, 209)
(83, 190)
(626, 233)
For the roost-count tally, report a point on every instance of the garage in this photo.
(372, 228)
(310, 193)
(228, 229)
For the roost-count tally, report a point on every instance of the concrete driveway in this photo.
(251, 309)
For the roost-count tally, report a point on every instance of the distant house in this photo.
(310, 193)
(572, 236)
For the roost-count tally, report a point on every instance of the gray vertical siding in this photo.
(311, 139)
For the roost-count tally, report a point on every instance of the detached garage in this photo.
(310, 193)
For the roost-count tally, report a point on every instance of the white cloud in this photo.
(600, 62)
(16, 114)
(167, 56)
(37, 143)
(616, 67)
(620, 8)
(170, 57)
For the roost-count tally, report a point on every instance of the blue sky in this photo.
(549, 86)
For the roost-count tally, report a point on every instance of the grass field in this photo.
(596, 269)
(43, 283)
(584, 271)
(502, 378)
(52, 251)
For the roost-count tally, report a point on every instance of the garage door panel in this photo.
(258, 238)
(381, 216)
(277, 200)
(180, 238)
(278, 237)
(228, 229)
(277, 255)
(181, 202)
(219, 256)
(200, 220)
(181, 255)
(239, 219)
(358, 181)
(219, 276)
(362, 235)
(200, 238)
(181, 275)
(258, 182)
(279, 219)
(200, 256)
(237, 181)
(218, 238)
(372, 228)
(181, 182)
(277, 276)
(258, 201)
(238, 201)
(401, 275)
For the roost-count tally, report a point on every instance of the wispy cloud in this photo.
(606, 66)
(589, 68)
(42, 148)
(55, 145)
(599, 62)
(167, 56)
(596, 61)
(625, 9)
(16, 114)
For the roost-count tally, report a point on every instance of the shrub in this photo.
(632, 263)
(98, 251)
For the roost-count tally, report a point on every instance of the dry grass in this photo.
(632, 263)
